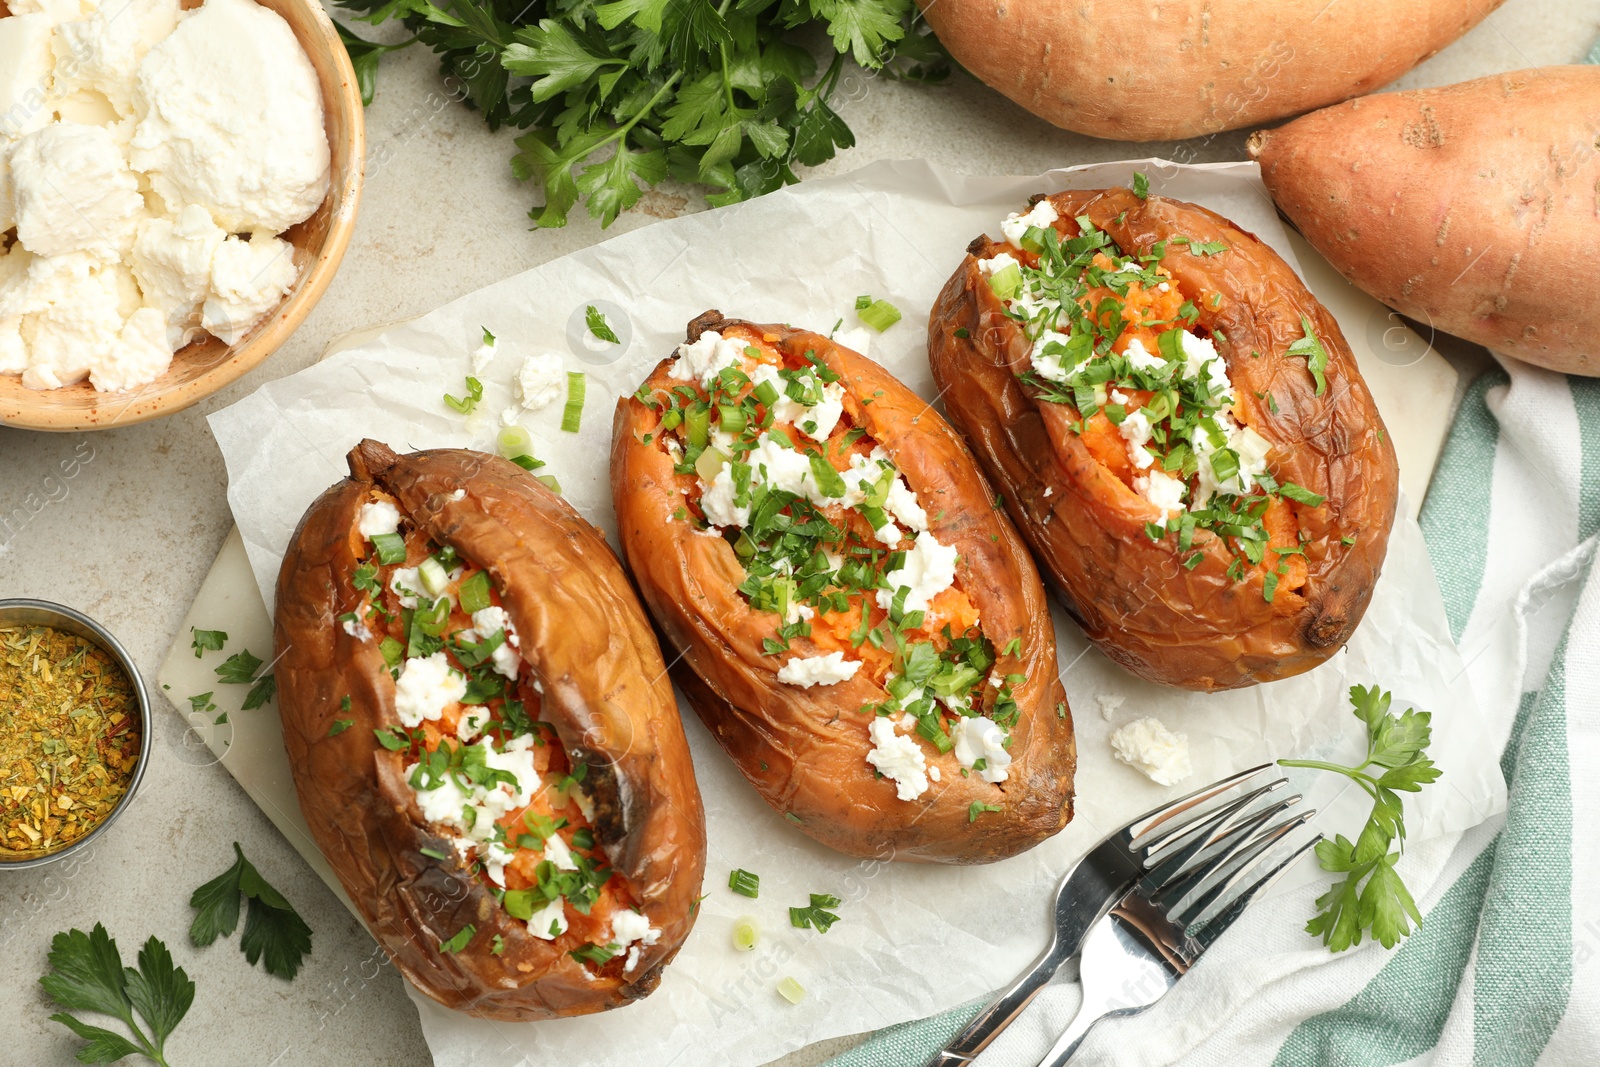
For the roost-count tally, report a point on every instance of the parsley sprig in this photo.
(618, 96)
(272, 928)
(86, 974)
(1395, 763)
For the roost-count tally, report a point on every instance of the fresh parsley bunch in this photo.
(617, 96)
(1371, 896)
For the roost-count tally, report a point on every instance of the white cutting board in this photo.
(1414, 387)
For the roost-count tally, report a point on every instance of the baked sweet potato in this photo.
(483, 736)
(855, 620)
(1470, 207)
(1183, 68)
(1180, 432)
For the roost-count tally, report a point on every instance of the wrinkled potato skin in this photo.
(605, 691)
(1185, 68)
(805, 749)
(1469, 207)
(1194, 629)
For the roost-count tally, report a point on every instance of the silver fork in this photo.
(1186, 826)
(1150, 938)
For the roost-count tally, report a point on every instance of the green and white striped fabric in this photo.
(1505, 969)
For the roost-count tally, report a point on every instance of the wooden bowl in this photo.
(201, 368)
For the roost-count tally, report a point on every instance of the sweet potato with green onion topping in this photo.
(853, 616)
(483, 736)
(1471, 207)
(1182, 68)
(1180, 432)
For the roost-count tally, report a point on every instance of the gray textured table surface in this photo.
(129, 539)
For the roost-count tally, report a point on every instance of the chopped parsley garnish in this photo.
(207, 640)
(595, 319)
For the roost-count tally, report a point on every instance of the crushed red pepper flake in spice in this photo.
(69, 738)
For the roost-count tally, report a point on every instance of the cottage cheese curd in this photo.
(149, 157)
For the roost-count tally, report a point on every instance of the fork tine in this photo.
(1219, 923)
(1241, 861)
(1228, 847)
(1155, 817)
(1206, 826)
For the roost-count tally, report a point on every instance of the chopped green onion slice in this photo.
(391, 547)
(527, 463)
(519, 904)
(514, 441)
(744, 883)
(697, 424)
(709, 464)
(572, 416)
(550, 482)
(881, 314)
(474, 592)
(791, 990)
(731, 418)
(1007, 281)
(745, 933)
(435, 579)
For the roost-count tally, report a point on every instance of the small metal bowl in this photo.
(43, 613)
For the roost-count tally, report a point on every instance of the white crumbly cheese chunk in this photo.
(928, 569)
(559, 855)
(630, 926)
(978, 738)
(406, 583)
(378, 517)
(230, 118)
(807, 671)
(101, 54)
(1110, 703)
(1140, 358)
(247, 279)
(704, 358)
(997, 263)
(898, 758)
(1202, 361)
(1162, 490)
(540, 381)
(1015, 226)
(26, 76)
(73, 192)
(818, 421)
(903, 505)
(486, 622)
(550, 921)
(139, 356)
(449, 799)
(73, 312)
(173, 259)
(856, 339)
(426, 687)
(1148, 746)
(1137, 431)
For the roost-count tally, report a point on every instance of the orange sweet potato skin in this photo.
(1195, 629)
(605, 691)
(1471, 207)
(1184, 68)
(805, 749)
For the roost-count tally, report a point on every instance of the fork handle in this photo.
(1088, 1014)
(987, 1024)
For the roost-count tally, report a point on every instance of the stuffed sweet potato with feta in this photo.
(854, 619)
(483, 736)
(1180, 432)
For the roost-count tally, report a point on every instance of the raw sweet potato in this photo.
(1147, 72)
(1474, 208)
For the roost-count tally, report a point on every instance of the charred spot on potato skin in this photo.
(702, 322)
(605, 788)
(1328, 628)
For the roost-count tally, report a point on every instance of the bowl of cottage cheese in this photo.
(178, 183)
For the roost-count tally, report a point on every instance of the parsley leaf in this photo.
(1383, 906)
(1315, 355)
(239, 668)
(595, 319)
(86, 974)
(207, 640)
(272, 928)
(816, 914)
